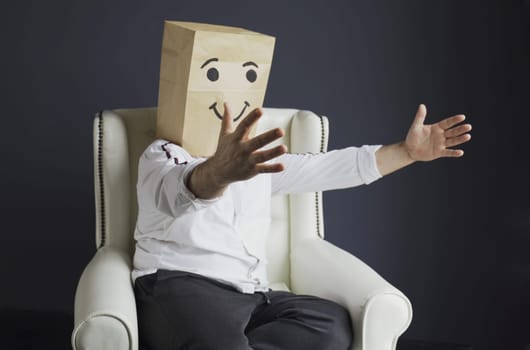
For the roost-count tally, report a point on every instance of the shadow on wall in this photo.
(30, 329)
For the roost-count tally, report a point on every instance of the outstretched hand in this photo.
(429, 142)
(237, 156)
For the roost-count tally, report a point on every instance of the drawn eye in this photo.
(252, 75)
(212, 74)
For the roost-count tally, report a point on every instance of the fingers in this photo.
(263, 156)
(452, 121)
(246, 124)
(455, 135)
(455, 141)
(270, 168)
(226, 122)
(421, 113)
(459, 130)
(452, 153)
(264, 139)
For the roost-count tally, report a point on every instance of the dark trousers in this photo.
(185, 311)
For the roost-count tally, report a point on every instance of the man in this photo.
(197, 285)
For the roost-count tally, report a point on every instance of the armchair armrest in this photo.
(380, 313)
(105, 308)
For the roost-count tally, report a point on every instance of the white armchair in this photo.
(302, 261)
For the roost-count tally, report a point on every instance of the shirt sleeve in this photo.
(313, 172)
(163, 171)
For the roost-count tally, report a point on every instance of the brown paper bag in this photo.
(202, 66)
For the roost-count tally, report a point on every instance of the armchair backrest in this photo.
(120, 137)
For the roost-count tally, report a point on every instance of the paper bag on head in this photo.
(202, 66)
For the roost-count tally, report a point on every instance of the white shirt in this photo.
(177, 231)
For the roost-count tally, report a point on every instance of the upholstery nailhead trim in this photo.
(100, 177)
(317, 202)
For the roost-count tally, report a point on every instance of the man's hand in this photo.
(429, 142)
(237, 157)
(424, 142)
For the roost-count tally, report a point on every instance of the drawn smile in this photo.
(214, 108)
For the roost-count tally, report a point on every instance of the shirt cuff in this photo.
(185, 192)
(368, 164)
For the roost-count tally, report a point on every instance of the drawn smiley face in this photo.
(214, 74)
(203, 66)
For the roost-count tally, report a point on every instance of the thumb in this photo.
(421, 113)
(226, 122)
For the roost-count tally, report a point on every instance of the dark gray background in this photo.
(453, 234)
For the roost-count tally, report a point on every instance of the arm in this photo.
(237, 158)
(336, 169)
(173, 182)
(390, 158)
(353, 166)
(424, 142)
(162, 173)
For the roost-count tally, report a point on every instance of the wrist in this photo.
(204, 181)
(407, 152)
(213, 173)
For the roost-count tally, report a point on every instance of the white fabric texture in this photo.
(225, 238)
